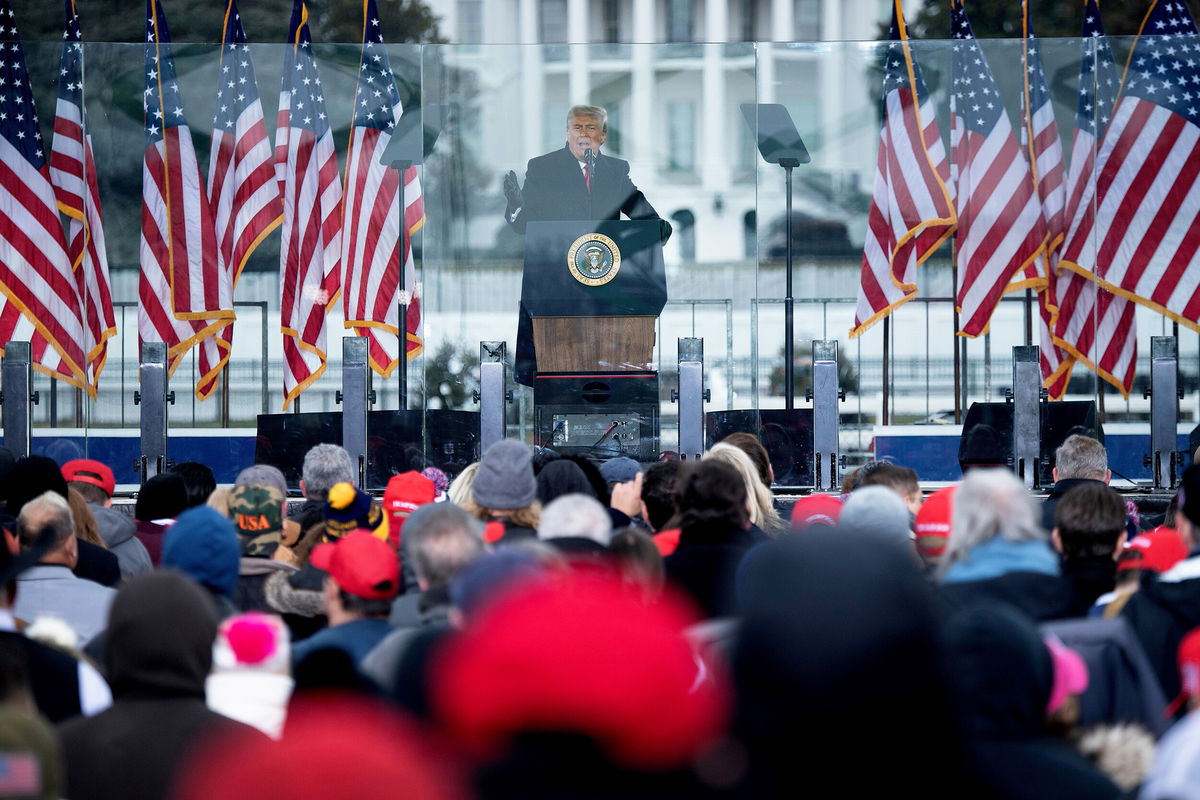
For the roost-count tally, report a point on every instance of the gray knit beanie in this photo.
(876, 510)
(505, 479)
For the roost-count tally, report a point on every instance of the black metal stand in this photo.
(779, 143)
(413, 139)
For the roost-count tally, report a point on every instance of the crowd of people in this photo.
(546, 627)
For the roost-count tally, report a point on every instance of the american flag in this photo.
(310, 251)
(1000, 227)
(185, 294)
(1039, 136)
(1095, 327)
(911, 211)
(73, 172)
(242, 190)
(41, 296)
(21, 774)
(1141, 238)
(371, 225)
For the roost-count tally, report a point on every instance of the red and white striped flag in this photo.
(185, 293)
(310, 250)
(1137, 228)
(242, 190)
(1095, 327)
(1039, 136)
(911, 211)
(1000, 228)
(73, 172)
(40, 291)
(371, 258)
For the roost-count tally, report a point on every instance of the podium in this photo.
(594, 291)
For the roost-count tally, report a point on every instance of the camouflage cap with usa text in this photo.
(256, 510)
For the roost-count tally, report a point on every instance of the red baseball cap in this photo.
(405, 493)
(87, 470)
(816, 509)
(361, 564)
(932, 526)
(1189, 670)
(1158, 550)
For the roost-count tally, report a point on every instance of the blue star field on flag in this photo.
(378, 99)
(1163, 69)
(161, 100)
(19, 122)
(978, 100)
(237, 89)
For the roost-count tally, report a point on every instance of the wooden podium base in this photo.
(579, 344)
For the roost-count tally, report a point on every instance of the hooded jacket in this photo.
(1022, 575)
(839, 673)
(118, 530)
(1002, 675)
(1161, 612)
(159, 653)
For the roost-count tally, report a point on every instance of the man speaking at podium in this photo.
(577, 182)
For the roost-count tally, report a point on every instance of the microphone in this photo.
(589, 156)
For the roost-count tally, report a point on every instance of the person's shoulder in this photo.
(614, 163)
(548, 160)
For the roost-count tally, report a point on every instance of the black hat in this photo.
(1189, 494)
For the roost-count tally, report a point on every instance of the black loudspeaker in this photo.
(397, 441)
(598, 415)
(987, 433)
(786, 434)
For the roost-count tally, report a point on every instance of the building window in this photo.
(613, 143)
(679, 21)
(750, 234)
(553, 21)
(749, 21)
(681, 135)
(685, 231)
(554, 125)
(470, 22)
(807, 19)
(611, 20)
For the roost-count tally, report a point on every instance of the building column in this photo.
(579, 80)
(714, 168)
(532, 80)
(783, 23)
(641, 127)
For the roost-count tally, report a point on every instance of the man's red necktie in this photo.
(587, 176)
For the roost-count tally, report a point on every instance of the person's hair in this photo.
(990, 503)
(1090, 519)
(366, 606)
(219, 501)
(901, 480)
(749, 444)
(442, 542)
(1081, 457)
(90, 491)
(638, 558)
(198, 479)
(658, 492)
(325, 466)
(711, 493)
(577, 516)
(589, 111)
(762, 505)
(85, 521)
(850, 479)
(162, 497)
(527, 517)
(46, 511)
(460, 488)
